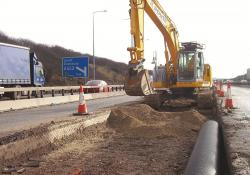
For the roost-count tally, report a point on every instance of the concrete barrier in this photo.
(29, 103)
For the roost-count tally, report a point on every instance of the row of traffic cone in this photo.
(220, 92)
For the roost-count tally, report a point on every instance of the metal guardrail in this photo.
(40, 91)
(55, 88)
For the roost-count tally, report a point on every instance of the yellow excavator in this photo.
(184, 70)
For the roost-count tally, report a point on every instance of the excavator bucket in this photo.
(138, 84)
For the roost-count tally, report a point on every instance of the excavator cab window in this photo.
(200, 66)
(187, 62)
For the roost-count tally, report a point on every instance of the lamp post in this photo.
(102, 11)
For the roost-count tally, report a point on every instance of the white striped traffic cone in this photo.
(229, 100)
(82, 107)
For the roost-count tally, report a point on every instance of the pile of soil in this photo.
(143, 121)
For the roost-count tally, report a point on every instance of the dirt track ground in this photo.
(134, 140)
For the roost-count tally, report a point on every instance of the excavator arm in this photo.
(137, 80)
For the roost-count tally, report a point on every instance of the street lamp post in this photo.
(102, 11)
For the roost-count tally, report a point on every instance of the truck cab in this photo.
(37, 74)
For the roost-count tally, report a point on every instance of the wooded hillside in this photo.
(108, 70)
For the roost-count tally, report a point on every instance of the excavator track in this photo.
(203, 100)
(155, 100)
(138, 84)
(206, 100)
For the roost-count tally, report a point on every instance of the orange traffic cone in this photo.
(82, 107)
(229, 100)
(219, 87)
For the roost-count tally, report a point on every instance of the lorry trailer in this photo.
(19, 68)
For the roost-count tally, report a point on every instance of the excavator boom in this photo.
(137, 81)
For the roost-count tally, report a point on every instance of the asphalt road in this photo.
(241, 99)
(24, 119)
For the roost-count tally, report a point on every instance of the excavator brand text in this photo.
(158, 12)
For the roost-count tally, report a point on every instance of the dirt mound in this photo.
(121, 121)
(143, 121)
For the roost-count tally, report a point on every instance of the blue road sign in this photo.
(75, 67)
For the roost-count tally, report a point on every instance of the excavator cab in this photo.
(191, 73)
(190, 63)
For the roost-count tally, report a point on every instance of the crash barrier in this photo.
(62, 90)
(205, 155)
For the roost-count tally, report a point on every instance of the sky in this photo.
(222, 25)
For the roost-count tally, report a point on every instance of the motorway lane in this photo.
(24, 119)
(241, 99)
